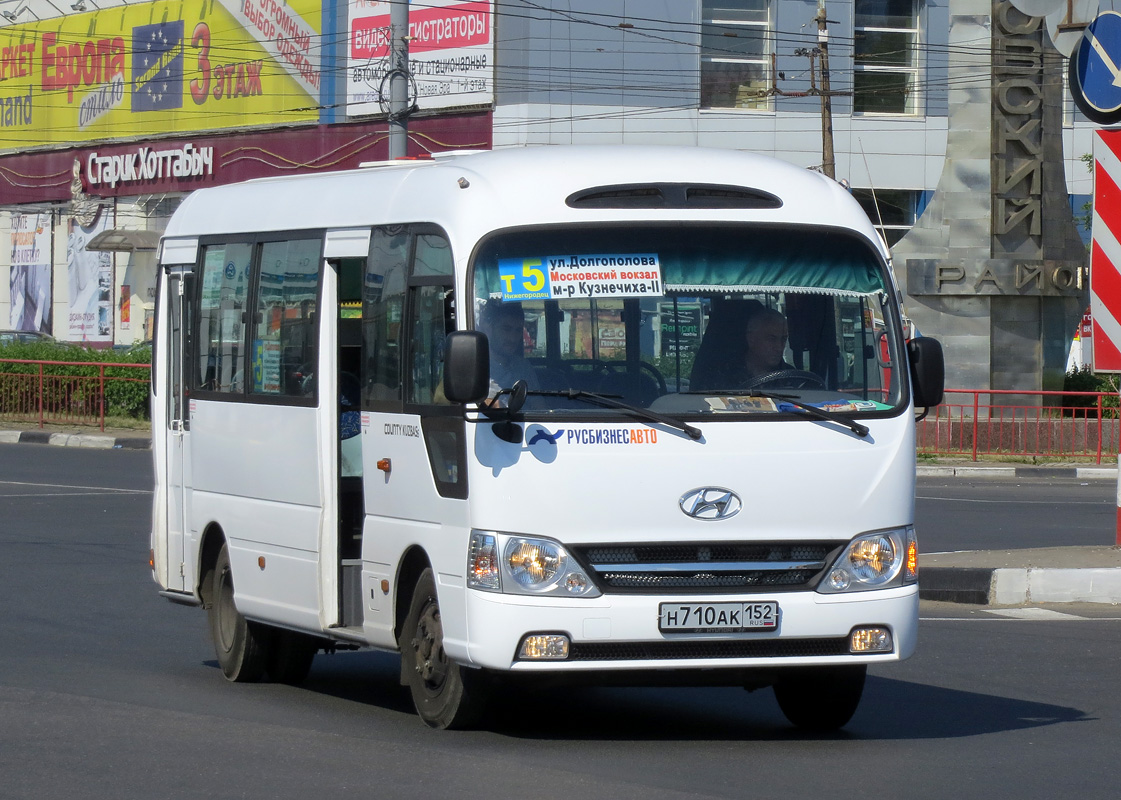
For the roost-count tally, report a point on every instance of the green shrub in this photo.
(1084, 379)
(122, 398)
(669, 365)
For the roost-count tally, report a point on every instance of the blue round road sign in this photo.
(1095, 70)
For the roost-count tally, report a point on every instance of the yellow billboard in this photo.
(163, 67)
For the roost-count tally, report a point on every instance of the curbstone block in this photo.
(1010, 587)
(971, 585)
(1100, 473)
(92, 441)
(985, 472)
(1074, 585)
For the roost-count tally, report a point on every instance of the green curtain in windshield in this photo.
(696, 260)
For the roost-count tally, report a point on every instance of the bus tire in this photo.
(239, 644)
(820, 698)
(446, 695)
(289, 657)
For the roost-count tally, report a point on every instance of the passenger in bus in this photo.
(350, 426)
(504, 325)
(766, 342)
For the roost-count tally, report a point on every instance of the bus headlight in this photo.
(534, 563)
(877, 560)
(528, 565)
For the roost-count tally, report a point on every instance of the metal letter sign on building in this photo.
(1105, 252)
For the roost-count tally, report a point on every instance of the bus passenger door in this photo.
(340, 389)
(180, 284)
(412, 448)
(350, 500)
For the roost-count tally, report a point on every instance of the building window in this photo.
(886, 57)
(736, 37)
(892, 211)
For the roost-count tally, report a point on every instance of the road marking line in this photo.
(65, 494)
(1032, 613)
(68, 486)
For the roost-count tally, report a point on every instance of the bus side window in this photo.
(433, 256)
(221, 339)
(431, 303)
(284, 340)
(432, 310)
(383, 305)
(430, 329)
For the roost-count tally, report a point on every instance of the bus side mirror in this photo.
(928, 371)
(466, 367)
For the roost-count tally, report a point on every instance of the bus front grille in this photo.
(713, 567)
(740, 648)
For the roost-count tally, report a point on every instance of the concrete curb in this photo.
(949, 471)
(1003, 586)
(98, 441)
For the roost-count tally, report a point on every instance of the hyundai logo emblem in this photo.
(710, 502)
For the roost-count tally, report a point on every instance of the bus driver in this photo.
(504, 325)
(766, 342)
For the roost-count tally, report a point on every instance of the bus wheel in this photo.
(820, 698)
(445, 694)
(289, 657)
(239, 644)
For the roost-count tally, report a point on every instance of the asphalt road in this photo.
(108, 691)
(997, 513)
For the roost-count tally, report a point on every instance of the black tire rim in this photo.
(428, 649)
(227, 615)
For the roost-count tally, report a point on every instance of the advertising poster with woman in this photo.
(91, 284)
(30, 278)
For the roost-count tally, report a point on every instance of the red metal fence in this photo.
(68, 392)
(969, 423)
(990, 422)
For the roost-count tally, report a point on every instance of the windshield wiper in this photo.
(813, 411)
(609, 401)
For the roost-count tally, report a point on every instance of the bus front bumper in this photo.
(621, 632)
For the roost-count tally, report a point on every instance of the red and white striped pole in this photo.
(1105, 267)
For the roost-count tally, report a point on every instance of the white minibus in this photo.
(595, 414)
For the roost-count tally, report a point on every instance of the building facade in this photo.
(300, 87)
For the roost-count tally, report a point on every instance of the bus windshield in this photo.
(690, 319)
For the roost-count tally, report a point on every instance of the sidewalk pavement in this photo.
(982, 577)
(1023, 577)
(79, 437)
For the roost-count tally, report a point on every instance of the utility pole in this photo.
(398, 78)
(828, 164)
